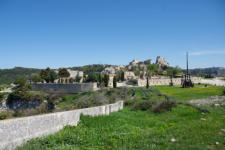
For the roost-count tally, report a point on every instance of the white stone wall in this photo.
(14, 132)
(165, 81)
(215, 81)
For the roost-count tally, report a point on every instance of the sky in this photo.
(67, 33)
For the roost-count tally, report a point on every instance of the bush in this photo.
(129, 102)
(24, 96)
(1, 97)
(142, 105)
(43, 108)
(5, 86)
(132, 82)
(223, 92)
(19, 113)
(163, 106)
(84, 102)
(3, 115)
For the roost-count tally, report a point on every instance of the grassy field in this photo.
(142, 130)
(131, 129)
(185, 94)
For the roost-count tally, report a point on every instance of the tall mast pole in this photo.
(187, 62)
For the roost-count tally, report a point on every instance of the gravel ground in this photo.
(213, 100)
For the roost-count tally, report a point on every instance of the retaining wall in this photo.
(14, 132)
(64, 88)
(165, 81)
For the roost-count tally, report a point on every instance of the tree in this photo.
(45, 74)
(100, 78)
(63, 73)
(71, 80)
(177, 70)
(106, 80)
(114, 82)
(77, 79)
(48, 75)
(172, 72)
(153, 69)
(122, 76)
(164, 73)
(147, 84)
(36, 78)
(91, 77)
(21, 84)
(52, 76)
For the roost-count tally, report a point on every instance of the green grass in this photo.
(140, 130)
(144, 130)
(185, 94)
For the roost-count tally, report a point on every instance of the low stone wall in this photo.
(14, 132)
(216, 82)
(165, 81)
(64, 88)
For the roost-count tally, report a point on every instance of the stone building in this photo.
(73, 75)
(112, 69)
(109, 70)
(129, 75)
(111, 76)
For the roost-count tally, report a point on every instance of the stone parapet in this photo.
(14, 132)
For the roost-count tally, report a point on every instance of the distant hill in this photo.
(8, 76)
(91, 68)
(214, 71)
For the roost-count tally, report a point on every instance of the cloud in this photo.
(207, 52)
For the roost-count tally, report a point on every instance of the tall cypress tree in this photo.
(114, 82)
(147, 85)
(106, 80)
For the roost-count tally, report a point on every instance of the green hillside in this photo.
(8, 76)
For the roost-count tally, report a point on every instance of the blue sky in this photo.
(65, 33)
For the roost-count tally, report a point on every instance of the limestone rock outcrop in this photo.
(135, 62)
(161, 62)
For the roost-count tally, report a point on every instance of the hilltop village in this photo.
(136, 73)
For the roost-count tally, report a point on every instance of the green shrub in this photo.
(43, 108)
(25, 96)
(132, 82)
(5, 86)
(163, 106)
(1, 97)
(129, 102)
(142, 105)
(3, 115)
(19, 113)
